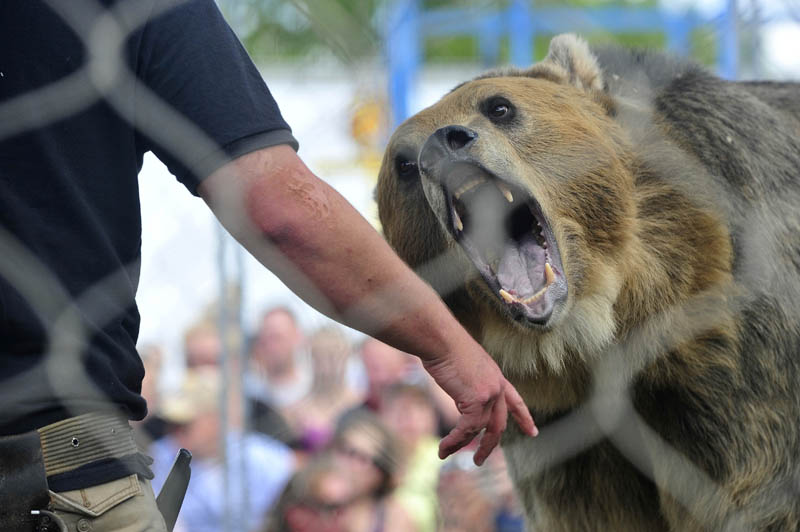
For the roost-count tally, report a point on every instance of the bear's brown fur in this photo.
(620, 231)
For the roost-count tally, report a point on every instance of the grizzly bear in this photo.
(621, 231)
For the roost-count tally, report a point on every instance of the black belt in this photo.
(77, 441)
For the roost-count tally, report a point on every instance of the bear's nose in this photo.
(456, 137)
(448, 143)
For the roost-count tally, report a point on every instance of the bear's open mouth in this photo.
(504, 232)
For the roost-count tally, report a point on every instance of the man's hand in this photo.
(483, 396)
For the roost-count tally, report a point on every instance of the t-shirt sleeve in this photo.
(191, 59)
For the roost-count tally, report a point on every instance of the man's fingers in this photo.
(457, 438)
(489, 441)
(519, 411)
(469, 425)
(490, 438)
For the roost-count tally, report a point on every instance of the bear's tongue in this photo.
(521, 269)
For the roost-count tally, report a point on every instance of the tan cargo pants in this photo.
(123, 505)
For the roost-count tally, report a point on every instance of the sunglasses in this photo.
(357, 455)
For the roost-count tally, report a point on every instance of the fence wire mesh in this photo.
(106, 76)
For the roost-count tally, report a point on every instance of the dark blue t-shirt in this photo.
(70, 228)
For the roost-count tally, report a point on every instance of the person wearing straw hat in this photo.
(258, 466)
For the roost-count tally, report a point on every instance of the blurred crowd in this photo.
(315, 434)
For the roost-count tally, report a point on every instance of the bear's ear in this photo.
(570, 61)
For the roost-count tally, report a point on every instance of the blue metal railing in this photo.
(409, 25)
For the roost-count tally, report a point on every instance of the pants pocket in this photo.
(126, 504)
(95, 501)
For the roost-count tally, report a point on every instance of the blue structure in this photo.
(409, 25)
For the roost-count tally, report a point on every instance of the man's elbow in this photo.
(271, 212)
(292, 208)
(268, 194)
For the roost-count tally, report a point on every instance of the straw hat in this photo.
(198, 393)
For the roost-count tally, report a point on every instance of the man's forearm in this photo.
(324, 250)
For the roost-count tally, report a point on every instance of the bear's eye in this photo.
(499, 109)
(405, 168)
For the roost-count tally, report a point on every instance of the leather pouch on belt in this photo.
(23, 483)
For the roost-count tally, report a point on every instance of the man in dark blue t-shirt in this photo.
(74, 126)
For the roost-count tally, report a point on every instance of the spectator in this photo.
(278, 376)
(478, 499)
(384, 366)
(409, 411)
(312, 501)
(464, 506)
(313, 418)
(352, 483)
(508, 513)
(280, 364)
(202, 345)
(367, 454)
(255, 462)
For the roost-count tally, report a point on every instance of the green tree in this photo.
(351, 30)
(291, 29)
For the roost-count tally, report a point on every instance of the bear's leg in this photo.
(566, 488)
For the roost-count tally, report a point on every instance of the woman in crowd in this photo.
(347, 488)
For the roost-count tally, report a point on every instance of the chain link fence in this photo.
(105, 76)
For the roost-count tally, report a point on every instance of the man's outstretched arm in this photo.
(325, 251)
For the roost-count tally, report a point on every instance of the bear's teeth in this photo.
(550, 278)
(535, 296)
(506, 193)
(467, 187)
(457, 220)
(508, 298)
(548, 274)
